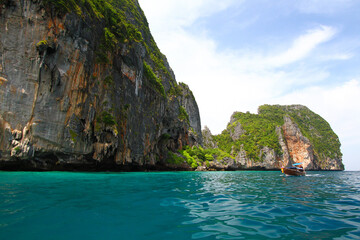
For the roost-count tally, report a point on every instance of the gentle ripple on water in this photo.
(188, 205)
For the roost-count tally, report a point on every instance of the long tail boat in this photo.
(295, 170)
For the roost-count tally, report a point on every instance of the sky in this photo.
(237, 55)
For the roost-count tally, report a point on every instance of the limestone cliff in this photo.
(83, 86)
(277, 136)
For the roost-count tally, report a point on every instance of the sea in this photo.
(179, 205)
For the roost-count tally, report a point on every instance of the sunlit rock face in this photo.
(67, 104)
(298, 146)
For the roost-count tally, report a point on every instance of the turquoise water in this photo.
(179, 205)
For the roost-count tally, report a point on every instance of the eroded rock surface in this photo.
(62, 108)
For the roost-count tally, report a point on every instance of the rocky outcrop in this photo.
(75, 96)
(298, 147)
(208, 140)
(276, 138)
(236, 131)
(227, 163)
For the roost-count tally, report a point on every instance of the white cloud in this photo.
(303, 46)
(336, 56)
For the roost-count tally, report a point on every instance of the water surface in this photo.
(179, 205)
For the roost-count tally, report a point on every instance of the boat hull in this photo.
(293, 172)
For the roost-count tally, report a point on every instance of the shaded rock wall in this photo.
(63, 109)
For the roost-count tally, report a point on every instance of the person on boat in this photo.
(300, 167)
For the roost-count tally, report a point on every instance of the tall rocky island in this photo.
(277, 136)
(83, 86)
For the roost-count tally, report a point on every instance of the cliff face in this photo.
(297, 148)
(80, 90)
(277, 136)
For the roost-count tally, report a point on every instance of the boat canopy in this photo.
(296, 164)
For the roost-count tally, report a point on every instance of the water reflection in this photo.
(244, 204)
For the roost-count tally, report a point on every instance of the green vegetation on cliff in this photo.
(259, 130)
(183, 115)
(196, 156)
(118, 94)
(154, 80)
(111, 12)
(325, 142)
(123, 22)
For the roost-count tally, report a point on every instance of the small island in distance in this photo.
(276, 137)
(84, 87)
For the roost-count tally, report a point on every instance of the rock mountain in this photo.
(83, 86)
(277, 136)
